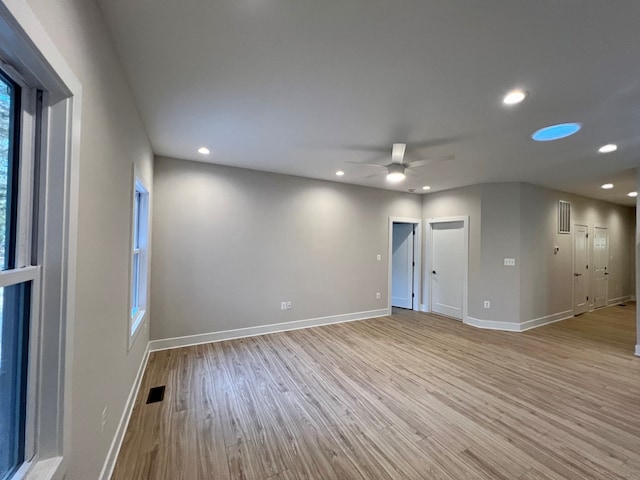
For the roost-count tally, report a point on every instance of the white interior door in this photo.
(402, 263)
(600, 264)
(447, 269)
(580, 269)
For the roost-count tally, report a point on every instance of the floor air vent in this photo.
(156, 394)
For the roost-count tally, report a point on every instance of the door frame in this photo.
(573, 283)
(429, 222)
(417, 272)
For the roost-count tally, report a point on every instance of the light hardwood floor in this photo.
(411, 396)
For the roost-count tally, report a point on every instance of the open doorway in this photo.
(404, 259)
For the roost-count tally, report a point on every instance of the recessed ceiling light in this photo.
(556, 132)
(610, 147)
(426, 187)
(203, 151)
(514, 97)
(632, 194)
(607, 186)
(339, 173)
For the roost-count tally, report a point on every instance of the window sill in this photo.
(137, 322)
(48, 469)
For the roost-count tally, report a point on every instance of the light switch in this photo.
(378, 257)
(509, 262)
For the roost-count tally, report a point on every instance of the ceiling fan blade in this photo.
(434, 142)
(373, 176)
(429, 161)
(366, 163)
(397, 152)
(365, 148)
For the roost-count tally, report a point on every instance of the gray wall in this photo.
(500, 223)
(515, 220)
(453, 203)
(231, 244)
(112, 141)
(547, 279)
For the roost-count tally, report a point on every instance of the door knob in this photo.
(434, 272)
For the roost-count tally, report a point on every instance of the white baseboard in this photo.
(546, 320)
(638, 350)
(492, 324)
(518, 327)
(178, 342)
(616, 301)
(116, 443)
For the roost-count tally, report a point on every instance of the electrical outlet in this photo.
(288, 305)
(487, 304)
(378, 296)
(283, 305)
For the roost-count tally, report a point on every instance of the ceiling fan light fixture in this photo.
(395, 173)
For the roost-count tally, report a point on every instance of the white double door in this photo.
(600, 266)
(580, 269)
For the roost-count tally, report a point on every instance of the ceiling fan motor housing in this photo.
(396, 168)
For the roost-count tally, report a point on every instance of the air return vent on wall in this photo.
(564, 217)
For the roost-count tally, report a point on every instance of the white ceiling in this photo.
(294, 86)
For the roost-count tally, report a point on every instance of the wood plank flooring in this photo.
(410, 396)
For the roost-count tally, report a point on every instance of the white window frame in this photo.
(26, 47)
(23, 270)
(139, 259)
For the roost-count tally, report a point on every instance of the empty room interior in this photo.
(319, 240)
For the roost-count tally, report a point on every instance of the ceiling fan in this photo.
(397, 169)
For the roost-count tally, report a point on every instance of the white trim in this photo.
(619, 300)
(417, 269)
(139, 225)
(519, 327)
(43, 66)
(177, 342)
(492, 324)
(428, 254)
(45, 469)
(546, 320)
(116, 443)
(18, 275)
(424, 308)
(637, 351)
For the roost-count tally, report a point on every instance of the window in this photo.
(139, 257)
(40, 116)
(18, 275)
